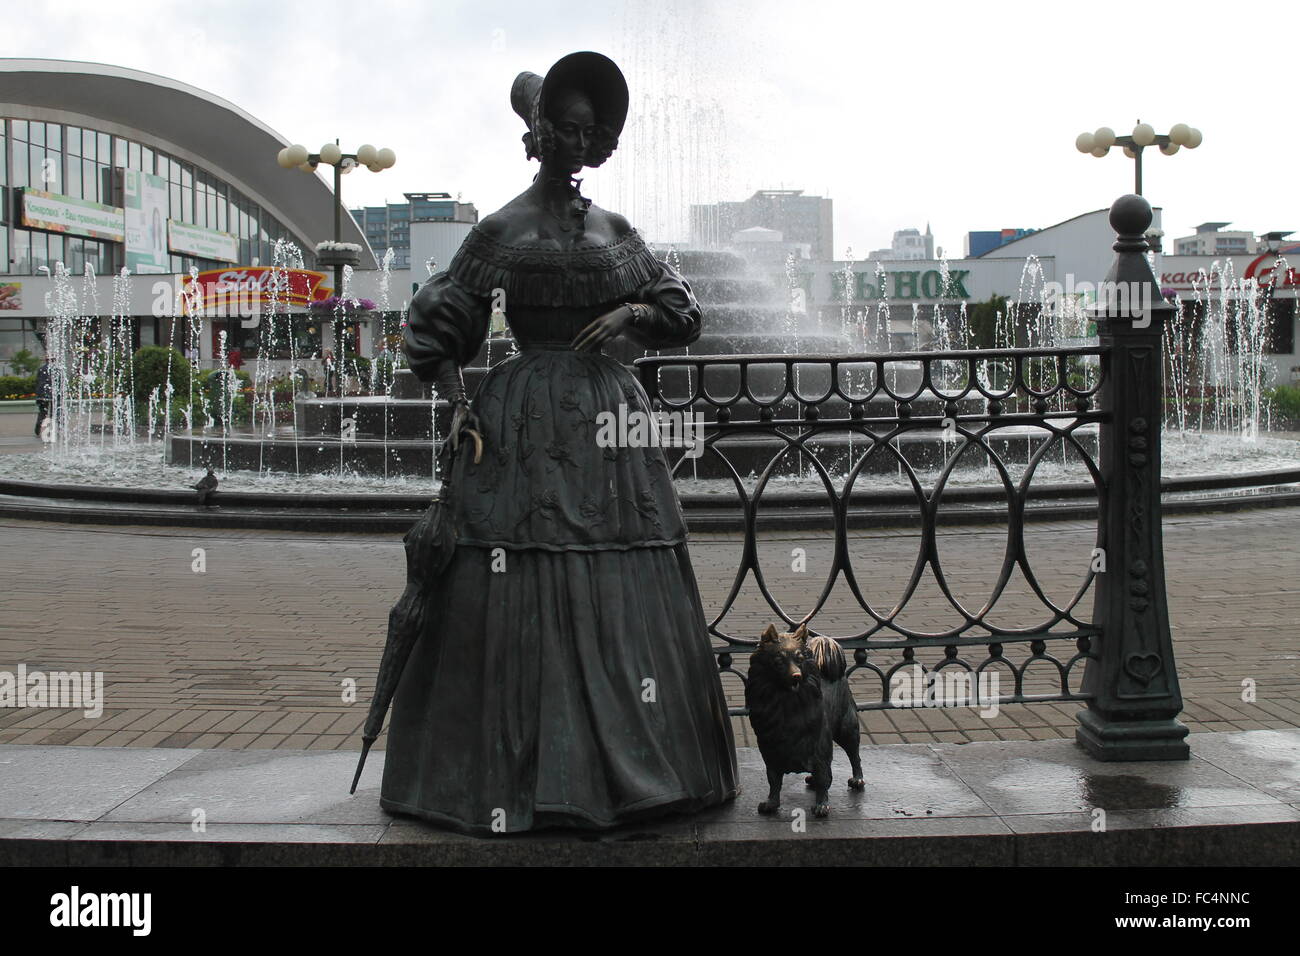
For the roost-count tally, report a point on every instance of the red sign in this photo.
(1265, 275)
(1261, 269)
(245, 286)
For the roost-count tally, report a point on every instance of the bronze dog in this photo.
(799, 703)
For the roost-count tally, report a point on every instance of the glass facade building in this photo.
(78, 162)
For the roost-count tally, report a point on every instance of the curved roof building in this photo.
(67, 128)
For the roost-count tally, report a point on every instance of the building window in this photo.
(18, 170)
(39, 255)
(21, 256)
(1282, 331)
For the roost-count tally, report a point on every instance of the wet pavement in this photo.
(1235, 802)
(260, 648)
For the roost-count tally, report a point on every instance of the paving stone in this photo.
(77, 783)
(178, 660)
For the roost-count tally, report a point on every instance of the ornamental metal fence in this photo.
(830, 425)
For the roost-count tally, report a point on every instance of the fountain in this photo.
(108, 429)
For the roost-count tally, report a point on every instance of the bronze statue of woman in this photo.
(569, 679)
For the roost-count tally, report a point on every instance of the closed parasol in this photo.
(430, 544)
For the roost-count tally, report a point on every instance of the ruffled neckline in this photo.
(532, 274)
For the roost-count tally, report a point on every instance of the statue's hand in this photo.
(604, 329)
(464, 421)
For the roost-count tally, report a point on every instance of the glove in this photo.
(451, 387)
(629, 315)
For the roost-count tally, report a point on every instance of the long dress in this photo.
(569, 680)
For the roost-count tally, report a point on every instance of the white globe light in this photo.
(1180, 133)
(1170, 149)
(1128, 151)
(1144, 134)
(330, 153)
(386, 158)
(1083, 143)
(1193, 139)
(296, 154)
(1099, 152)
(374, 167)
(307, 167)
(282, 158)
(367, 155)
(1103, 138)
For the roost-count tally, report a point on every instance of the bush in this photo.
(213, 384)
(982, 320)
(1286, 402)
(24, 362)
(151, 370)
(17, 386)
(383, 373)
(362, 366)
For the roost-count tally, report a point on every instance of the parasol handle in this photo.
(365, 749)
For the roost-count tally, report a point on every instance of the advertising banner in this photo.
(247, 289)
(1186, 275)
(76, 217)
(144, 197)
(185, 239)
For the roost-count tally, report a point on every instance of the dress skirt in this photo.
(567, 677)
(574, 688)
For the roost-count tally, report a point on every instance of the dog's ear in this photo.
(801, 634)
(770, 636)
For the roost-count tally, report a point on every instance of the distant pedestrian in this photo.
(44, 394)
(331, 371)
(236, 359)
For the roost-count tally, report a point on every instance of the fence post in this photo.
(1133, 713)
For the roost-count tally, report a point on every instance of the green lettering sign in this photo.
(866, 290)
(957, 284)
(906, 285)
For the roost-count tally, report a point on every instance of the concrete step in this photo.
(1009, 803)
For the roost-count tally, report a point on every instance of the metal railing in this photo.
(833, 421)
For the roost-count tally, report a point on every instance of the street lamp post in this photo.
(376, 160)
(1099, 142)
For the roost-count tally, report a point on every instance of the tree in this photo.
(982, 319)
(24, 362)
(154, 365)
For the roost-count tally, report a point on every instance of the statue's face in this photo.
(575, 130)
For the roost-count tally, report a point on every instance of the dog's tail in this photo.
(828, 654)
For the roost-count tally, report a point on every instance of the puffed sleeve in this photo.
(444, 322)
(675, 320)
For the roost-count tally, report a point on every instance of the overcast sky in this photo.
(960, 114)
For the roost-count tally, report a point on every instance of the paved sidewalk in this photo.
(258, 651)
(1235, 802)
(17, 424)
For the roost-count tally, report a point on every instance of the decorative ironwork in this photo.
(956, 400)
(827, 419)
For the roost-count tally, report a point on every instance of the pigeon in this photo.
(206, 485)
